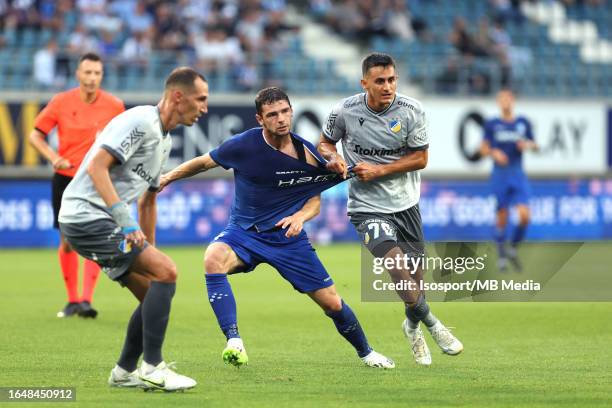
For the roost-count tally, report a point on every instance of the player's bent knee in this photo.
(156, 266)
(170, 273)
(214, 264)
(333, 304)
(216, 259)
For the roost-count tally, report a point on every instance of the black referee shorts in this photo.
(59, 183)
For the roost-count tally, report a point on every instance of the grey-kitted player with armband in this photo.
(124, 165)
(384, 137)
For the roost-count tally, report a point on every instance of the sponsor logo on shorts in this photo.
(125, 246)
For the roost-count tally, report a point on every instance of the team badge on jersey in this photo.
(395, 126)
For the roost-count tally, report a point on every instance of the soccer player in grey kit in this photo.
(384, 137)
(123, 165)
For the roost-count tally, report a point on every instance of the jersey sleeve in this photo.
(48, 117)
(228, 155)
(122, 138)
(417, 138)
(334, 126)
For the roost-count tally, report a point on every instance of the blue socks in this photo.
(348, 326)
(222, 301)
(519, 234)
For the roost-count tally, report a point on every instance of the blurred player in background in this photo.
(505, 139)
(79, 115)
(278, 177)
(125, 164)
(384, 137)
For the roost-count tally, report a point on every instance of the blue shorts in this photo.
(510, 189)
(294, 258)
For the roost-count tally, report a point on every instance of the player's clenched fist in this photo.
(367, 171)
(337, 165)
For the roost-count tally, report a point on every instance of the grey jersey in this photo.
(135, 138)
(379, 138)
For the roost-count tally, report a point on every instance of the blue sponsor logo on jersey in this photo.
(395, 126)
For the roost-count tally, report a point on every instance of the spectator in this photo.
(137, 50)
(464, 42)
(81, 42)
(398, 21)
(44, 67)
(108, 47)
(141, 21)
(217, 50)
(94, 16)
(250, 29)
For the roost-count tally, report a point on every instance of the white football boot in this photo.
(377, 360)
(163, 377)
(419, 348)
(122, 378)
(445, 339)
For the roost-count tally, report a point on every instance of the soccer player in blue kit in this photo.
(505, 140)
(278, 180)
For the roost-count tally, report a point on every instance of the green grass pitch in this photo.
(516, 354)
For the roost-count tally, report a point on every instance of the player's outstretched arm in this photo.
(410, 162)
(37, 139)
(188, 169)
(295, 222)
(335, 162)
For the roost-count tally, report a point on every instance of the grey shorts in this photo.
(102, 242)
(381, 232)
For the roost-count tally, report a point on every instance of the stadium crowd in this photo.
(229, 35)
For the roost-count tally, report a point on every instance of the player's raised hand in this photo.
(61, 163)
(294, 224)
(337, 165)
(367, 171)
(500, 157)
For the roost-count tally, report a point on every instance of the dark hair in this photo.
(376, 59)
(90, 56)
(270, 95)
(183, 76)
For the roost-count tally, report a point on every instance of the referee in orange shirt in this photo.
(79, 115)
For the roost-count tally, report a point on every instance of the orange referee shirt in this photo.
(78, 123)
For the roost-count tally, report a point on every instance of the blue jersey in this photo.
(504, 136)
(269, 184)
